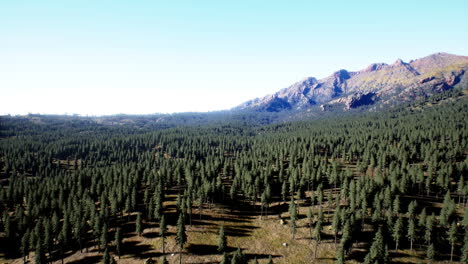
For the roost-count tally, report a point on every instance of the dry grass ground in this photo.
(258, 238)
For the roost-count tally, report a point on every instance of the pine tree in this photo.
(118, 241)
(336, 222)
(318, 232)
(465, 247)
(293, 217)
(429, 227)
(411, 232)
(106, 257)
(104, 236)
(430, 253)
(225, 259)
(138, 225)
(397, 230)
(452, 238)
(222, 241)
(39, 256)
(25, 245)
(340, 257)
(238, 257)
(162, 231)
(181, 236)
(377, 252)
(310, 220)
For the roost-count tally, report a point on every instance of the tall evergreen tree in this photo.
(293, 217)
(452, 238)
(378, 252)
(39, 257)
(181, 236)
(25, 245)
(397, 230)
(118, 241)
(411, 232)
(106, 259)
(138, 225)
(222, 240)
(430, 252)
(163, 231)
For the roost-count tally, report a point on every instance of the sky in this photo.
(142, 57)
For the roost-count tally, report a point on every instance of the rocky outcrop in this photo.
(361, 99)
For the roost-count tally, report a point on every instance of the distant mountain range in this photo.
(378, 83)
(373, 88)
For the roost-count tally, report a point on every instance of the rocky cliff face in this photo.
(381, 82)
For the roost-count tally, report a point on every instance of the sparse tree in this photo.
(138, 225)
(430, 253)
(181, 236)
(118, 241)
(163, 231)
(222, 240)
(452, 238)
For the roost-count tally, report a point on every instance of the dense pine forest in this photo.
(380, 187)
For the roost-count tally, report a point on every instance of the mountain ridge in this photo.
(386, 83)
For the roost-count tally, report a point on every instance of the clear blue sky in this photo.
(105, 57)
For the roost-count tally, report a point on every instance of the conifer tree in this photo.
(318, 232)
(181, 236)
(411, 232)
(310, 221)
(138, 225)
(222, 241)
(106, 257)
(293, 217)
(225, 259)
(104, 236)
(25, 245)
(340, 257)
(430, 252)
(452, 238)
(163, 231)
(377, 253)
(118, 241)
(397, 230)
(464, 256)
(39, 257)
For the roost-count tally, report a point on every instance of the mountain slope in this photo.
(388, 84)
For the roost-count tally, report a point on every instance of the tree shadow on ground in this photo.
(141, 251)
(87, 260)
(201, 250)
(260, 256)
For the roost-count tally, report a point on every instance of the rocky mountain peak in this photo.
(399, 62)
(375, 67)
(398, 81)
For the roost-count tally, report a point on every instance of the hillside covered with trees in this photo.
(379, 187)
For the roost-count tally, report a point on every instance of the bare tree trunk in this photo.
(451, 254)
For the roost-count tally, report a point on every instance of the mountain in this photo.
(378, 83)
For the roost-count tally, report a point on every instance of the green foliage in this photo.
(378, 252)
(222, 240)
(238, 257)
(138, 225)
(118, 241)
(67, 181)
(106, 259)
(181, 236)
(430, 252)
